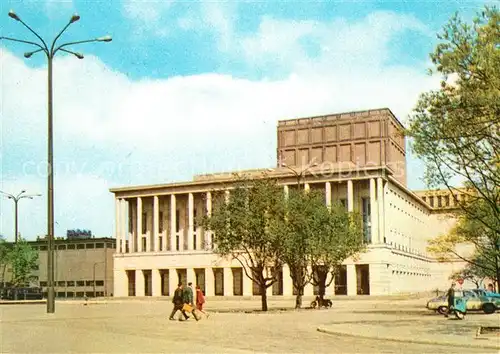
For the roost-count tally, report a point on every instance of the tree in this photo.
(456, 129)
(4, 257)
(244, 229)
(470, 230)
(472, 272)
(23, 259)
(342, 238)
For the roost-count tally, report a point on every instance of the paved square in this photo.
(143, 326)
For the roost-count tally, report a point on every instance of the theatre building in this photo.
(357, 159)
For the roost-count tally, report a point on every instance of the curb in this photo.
(408, 340)
(23, 302)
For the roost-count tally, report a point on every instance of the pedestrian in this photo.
(200, 300)
(178, 302)
(451, 299)
(188, 299)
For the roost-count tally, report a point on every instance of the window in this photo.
(160, 243)
(447, 201)
(343, 202)
(440, 204)
(43, 248)
(80, 283)
(80, 246)
(194, 220)
(70, 294)
(367, 227)
(71, 246)
(99, 245)
(160, 222)
(177, 243)
(61, 247)
(143, 244)
(43, 283)
(89, 283)
(36, 267)
(99, 283)
(90, 245)
(431, 201)
(194, 240)
(70, 283)
(79, 294)
(144, 223)
(177, 221)
(130, 222)
(61, 283)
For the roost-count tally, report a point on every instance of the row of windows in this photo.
(69, 283)
(444, 200)
(77, 246)
(410, 273)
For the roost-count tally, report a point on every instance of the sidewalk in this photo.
(435, 330)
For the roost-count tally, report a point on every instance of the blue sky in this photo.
(192, 87)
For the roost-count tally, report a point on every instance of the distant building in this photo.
(82, 267)
(361, 163)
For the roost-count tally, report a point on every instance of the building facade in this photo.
(357, 159)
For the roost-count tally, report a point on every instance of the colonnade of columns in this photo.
(128, 230)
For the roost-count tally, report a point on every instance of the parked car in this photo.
(477, 300)
(27, 293)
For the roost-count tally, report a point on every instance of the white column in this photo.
(373, 211)
(124, 225)
(120, 283)
(156, 282)
(381, 210)
(306, 186)
(209, 282)
(309, 289)
(352, 287)
(285, 191)
(173, 223)
(287, 281)
(350, 196)
(247, 284)
(328, 194)
(139, 282)
(228, 281)
(156, 224)
(139, 227)
(208, 238)
(118, 225)
(190, 221)
(172, 281)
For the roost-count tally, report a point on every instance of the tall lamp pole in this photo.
(301, 174)
(16, 199)
(50, 52)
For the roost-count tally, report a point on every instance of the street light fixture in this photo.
(50, 52)
(302, 172)
(16, 199)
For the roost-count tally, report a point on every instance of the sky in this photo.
(190, 87)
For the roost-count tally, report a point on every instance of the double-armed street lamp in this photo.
(16, 199)
(50, 52)
(302, 173)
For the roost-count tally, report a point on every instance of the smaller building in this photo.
(82, 267)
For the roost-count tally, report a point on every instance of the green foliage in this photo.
(455, 129)
(23, 259)
(244, 226)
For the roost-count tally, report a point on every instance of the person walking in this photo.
(200, 300)
(188, 299)
(451, 299)
(178, 302)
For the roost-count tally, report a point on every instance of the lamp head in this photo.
(283, 164)
(28, 55)
(13, 15)
(79, 55)
(104, 39)
(23, 191)
(74, 18)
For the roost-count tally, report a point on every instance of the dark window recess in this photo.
(71, 247)
(79, 294)
(99, 245)
(61, 247)
(43, 283)
(61, 283)
(70, 294)
(90, 245)
(36, 267)
(71, 283)
(89, 283)
(143, 243)
(177, 221)
(144, 223)
(194, 220)
(160, 243)
(80, 283)
(80, 246)
(99, 283)
(43, 248)
(160, 222)
(177, 243)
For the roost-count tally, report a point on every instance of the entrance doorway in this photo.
(200, 278)
(237, 281)
(148, 281)
(131, 282)
(363, 279)
(341, 281)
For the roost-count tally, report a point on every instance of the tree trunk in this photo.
(298, 298)
(263, 297)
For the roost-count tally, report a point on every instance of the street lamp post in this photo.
(302, 173)
(16, 199)
(50, 53)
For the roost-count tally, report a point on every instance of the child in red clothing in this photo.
(200, 300)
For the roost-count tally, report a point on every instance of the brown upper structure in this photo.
(355, 139)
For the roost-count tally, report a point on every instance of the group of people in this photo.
(183, 301)
(490, 291)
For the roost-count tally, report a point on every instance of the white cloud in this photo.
(110, 130)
